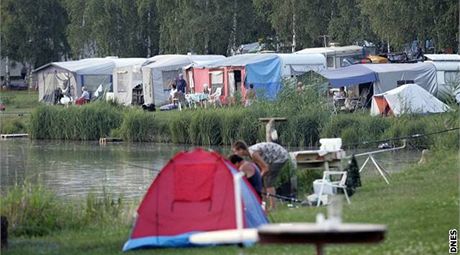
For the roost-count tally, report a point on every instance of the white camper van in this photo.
(447, 72)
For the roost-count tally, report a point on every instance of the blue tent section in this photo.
(266, 76)
(254, 216)
(262, 70)
(348, 76)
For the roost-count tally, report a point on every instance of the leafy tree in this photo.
(348, 25)
(403, 21)
(33, 31)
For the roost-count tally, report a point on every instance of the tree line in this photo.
(36, 32)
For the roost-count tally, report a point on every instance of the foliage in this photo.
(143, 28)
(87, 122)
(33, 32)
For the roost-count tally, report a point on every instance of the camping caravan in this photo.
(194, 192)
(447, 72)
(264, 71)
(406, 99)
(336, 55)
(127, 81)
(160, 71)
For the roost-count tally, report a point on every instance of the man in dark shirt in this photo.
(181, 84)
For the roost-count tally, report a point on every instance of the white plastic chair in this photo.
(340, 184)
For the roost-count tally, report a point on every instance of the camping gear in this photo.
(406, 99)
(193, 193)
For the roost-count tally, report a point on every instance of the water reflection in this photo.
(72, 169)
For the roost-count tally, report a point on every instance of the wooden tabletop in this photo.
(274, 118)
(321, 233)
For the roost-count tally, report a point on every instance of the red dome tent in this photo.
(193, 193)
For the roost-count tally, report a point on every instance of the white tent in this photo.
(408, 98)
(161, 70)
(126, 76)
(71, 76)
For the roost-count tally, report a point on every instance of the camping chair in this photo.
(333, 185)
(339, 104)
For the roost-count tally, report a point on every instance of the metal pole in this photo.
(238, 203)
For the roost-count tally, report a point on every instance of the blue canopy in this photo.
(266, 76)
(262, 70)
(348, 76)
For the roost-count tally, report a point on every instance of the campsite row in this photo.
(135, 81)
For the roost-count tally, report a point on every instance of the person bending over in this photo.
(250, 170)
(270, 157)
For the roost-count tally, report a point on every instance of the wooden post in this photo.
(4, 231)
(269, 127)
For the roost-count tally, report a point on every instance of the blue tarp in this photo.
(266, 77)
(348, 76)
(262, 70)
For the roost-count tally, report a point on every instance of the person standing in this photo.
(249, 96)
(181, 84)
(270, 157)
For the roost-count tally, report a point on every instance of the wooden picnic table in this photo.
(321, 234)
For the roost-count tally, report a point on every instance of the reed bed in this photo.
(309, 118)
(88, 122)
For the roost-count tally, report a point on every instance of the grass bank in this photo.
(419, 207)
(19, 105)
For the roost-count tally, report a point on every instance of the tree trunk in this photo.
(149, 39)
(206, 36)
(293, 30)
(232, 39)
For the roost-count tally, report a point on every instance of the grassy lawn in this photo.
(419, 207)
(19, 104)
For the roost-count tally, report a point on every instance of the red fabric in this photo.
(194, 183)
(80, 101)
(168, 209)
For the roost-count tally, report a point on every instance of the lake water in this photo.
(73, 169)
